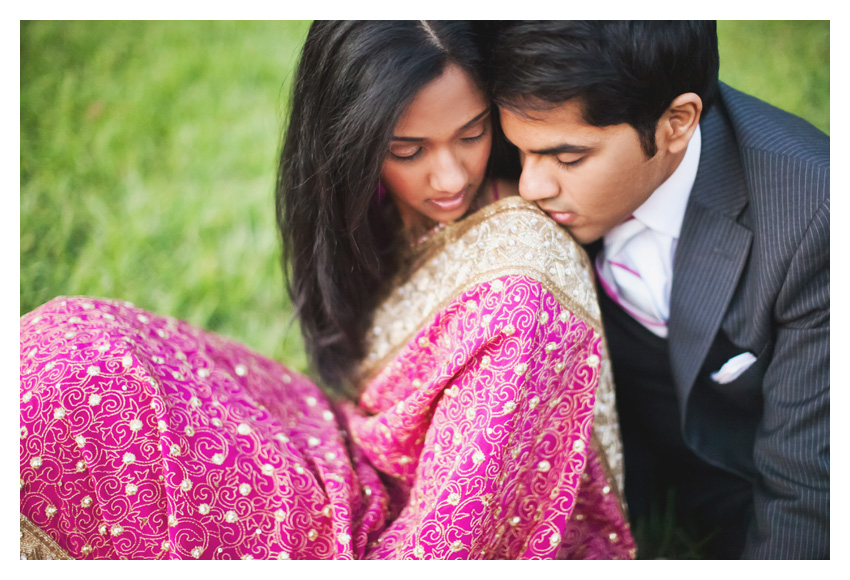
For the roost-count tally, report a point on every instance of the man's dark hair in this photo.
(620, 71)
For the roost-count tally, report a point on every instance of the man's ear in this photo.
(678, 123)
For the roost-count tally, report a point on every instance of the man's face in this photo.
(587, 178)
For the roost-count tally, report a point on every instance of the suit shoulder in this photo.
(765, 130)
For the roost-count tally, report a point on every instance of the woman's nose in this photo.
(448, 174)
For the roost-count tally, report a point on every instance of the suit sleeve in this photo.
(791, 498)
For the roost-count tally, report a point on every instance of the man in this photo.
(707, 214)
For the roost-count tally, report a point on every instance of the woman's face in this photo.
(439, 150)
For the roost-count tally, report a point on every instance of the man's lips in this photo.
(565, 218)
(449, 203)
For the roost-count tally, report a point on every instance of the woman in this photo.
(482, 422)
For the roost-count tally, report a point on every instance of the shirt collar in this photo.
(664, 211)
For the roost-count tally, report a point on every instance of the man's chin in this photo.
(582, 236)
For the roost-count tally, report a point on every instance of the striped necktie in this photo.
(634, 270)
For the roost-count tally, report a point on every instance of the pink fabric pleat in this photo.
(145, 437)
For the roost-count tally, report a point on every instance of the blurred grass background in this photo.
(148, 159)
(149, 151)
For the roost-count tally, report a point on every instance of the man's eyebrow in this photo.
(563, 148)
(465, 126)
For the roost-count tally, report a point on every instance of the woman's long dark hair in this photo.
(340, 247)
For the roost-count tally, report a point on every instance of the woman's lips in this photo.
(449, 203)
(562, 217)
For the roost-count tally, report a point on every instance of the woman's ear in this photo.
(679, 121)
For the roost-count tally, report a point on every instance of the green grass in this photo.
(148, 159)
(783, 62)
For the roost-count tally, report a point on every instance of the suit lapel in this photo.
(710, 255)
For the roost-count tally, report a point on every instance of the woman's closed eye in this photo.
(406, 153)
(475, 138)
(472, 136)
(410, 151)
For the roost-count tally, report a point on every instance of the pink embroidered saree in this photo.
(485, 426)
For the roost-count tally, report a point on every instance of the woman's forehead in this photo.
(445, 105)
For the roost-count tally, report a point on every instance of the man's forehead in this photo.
(546, 129)
(532, 107)
(565, 113)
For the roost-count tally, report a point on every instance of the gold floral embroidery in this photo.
(511, 236)
(254, 503)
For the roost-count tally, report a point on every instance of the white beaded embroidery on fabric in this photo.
(510, 236)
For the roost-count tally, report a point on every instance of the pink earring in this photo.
(382, 191)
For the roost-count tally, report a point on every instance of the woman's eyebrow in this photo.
(475, 119)
(465, 126)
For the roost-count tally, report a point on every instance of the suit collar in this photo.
(721, 184)
(711, 253)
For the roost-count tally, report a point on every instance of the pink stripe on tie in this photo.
(626, 268)
(613, 294)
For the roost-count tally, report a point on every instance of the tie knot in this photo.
(620, 235)
(635, 271)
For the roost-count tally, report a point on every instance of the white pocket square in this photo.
(733, 368)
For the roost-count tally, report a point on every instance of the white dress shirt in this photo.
(636, 266)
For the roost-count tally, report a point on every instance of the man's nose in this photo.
(535, 182)
(448, 174)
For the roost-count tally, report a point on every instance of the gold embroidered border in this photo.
(613, 470)
(509, 237)
(37, 545)
(606, 428)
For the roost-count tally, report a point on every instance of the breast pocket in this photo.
(743, 389)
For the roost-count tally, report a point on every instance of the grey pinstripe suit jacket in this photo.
(751, 273)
